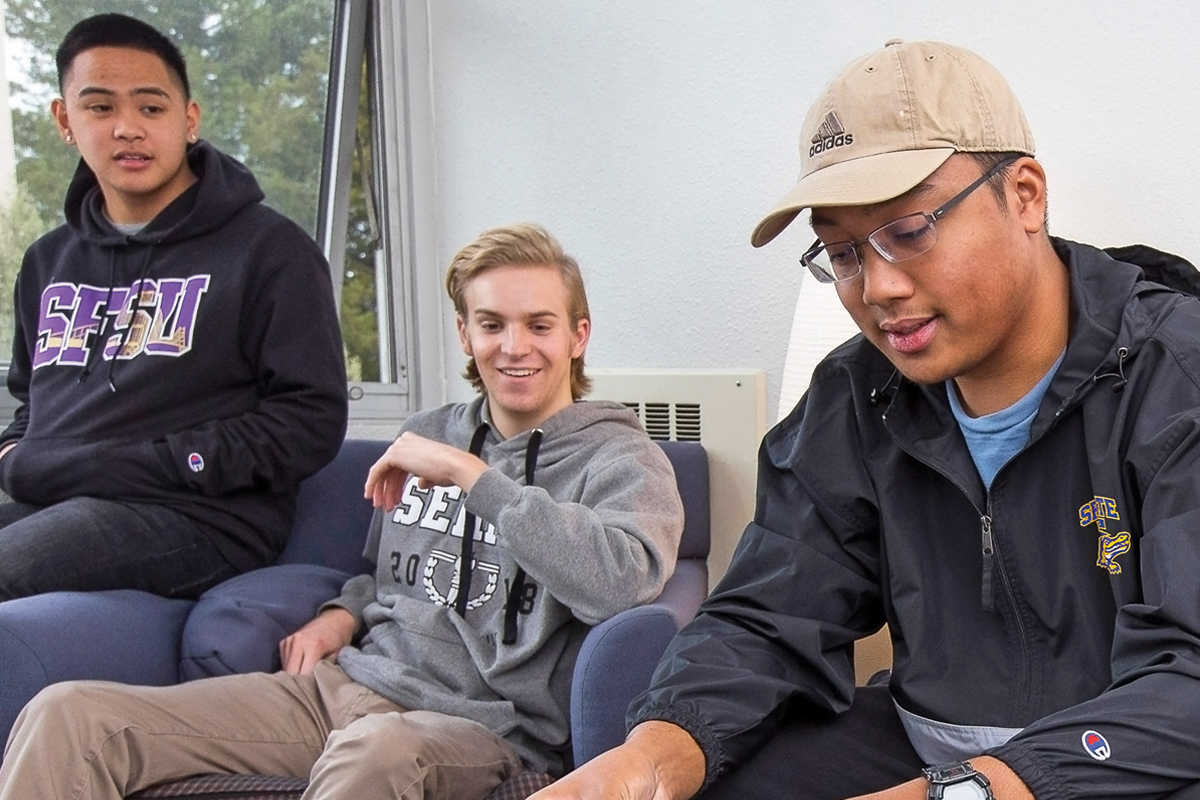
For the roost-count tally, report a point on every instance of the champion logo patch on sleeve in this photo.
(1096, 746)
(195, 462)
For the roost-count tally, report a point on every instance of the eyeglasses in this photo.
(899, 240)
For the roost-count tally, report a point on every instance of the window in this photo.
(293, 89)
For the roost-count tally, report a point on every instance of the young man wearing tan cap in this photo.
(1003, 468)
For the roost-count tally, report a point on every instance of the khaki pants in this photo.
(102, 741)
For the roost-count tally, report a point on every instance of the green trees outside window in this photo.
(260, 71)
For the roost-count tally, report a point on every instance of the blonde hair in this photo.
(519, 245)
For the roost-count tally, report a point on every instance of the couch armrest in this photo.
(619, 656)
(615, 664)
(123, 635)
(236, 626)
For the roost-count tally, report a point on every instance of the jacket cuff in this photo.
(695, 727)
(1042, 778)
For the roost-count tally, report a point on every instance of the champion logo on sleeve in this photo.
(195, 462)
(1096, 746)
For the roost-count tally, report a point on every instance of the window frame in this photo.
(393, 37)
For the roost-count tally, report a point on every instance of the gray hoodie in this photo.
(596, 533)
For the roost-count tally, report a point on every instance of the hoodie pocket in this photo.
(45, 471)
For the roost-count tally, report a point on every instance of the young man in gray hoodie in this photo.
(566, 513)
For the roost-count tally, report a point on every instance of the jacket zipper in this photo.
(990, 570)
(989, 549)
(990, 567)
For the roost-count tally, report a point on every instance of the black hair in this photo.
(118, 30)
(996, 183)
(988, 161)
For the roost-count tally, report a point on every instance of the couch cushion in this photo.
(332, 515)
(236, 627)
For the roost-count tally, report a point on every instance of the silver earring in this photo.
(192, 138)
(70, 139)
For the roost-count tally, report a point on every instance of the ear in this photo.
(193, 120)
(1028, 180)
(463, 340)
(58, 110)
(583, 330)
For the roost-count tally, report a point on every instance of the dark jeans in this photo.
(87, 544)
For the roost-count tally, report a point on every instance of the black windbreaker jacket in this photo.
(195, 365)
(1064, 602)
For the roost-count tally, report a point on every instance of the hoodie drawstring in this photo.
(1122, 354)
(99, 343)
(882, 394)
(467, 554)
(513, 605)
(137, 306)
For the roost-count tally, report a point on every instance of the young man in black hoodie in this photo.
(177, 356)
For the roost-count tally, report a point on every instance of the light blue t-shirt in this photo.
(995, 438)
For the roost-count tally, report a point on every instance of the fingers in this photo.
(375, 475)
(384, 485)
(379, 471)
(385, 479)
(290, 657)
(308, 662)
(433, 463)
(298, 657)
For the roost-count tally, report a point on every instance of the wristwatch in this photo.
(957, 780)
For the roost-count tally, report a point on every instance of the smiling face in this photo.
(986, 306)
(518, 329)
(128, 116)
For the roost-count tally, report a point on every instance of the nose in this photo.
(515, 341)
(128, 126)
(882, 281)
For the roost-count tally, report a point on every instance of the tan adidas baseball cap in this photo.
(890, 119)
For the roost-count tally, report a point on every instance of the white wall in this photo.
(650, 135)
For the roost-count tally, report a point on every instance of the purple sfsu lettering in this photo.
(70, 315)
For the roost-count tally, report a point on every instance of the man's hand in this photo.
(321, 637)
(659, 761)
(1005, 784)
(434, 463)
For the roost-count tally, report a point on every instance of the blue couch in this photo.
(134, 637)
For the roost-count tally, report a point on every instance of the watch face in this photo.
(965, 790)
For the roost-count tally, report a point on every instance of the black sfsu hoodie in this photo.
(213, 390)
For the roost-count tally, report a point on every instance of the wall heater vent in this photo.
(672, 422)
(724, 410)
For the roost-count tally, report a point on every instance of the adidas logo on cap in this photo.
(831, 134)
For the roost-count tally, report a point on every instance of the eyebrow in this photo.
(920, 190)
(487, 312)
(150, 90)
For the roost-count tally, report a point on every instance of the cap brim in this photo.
(857, 182)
